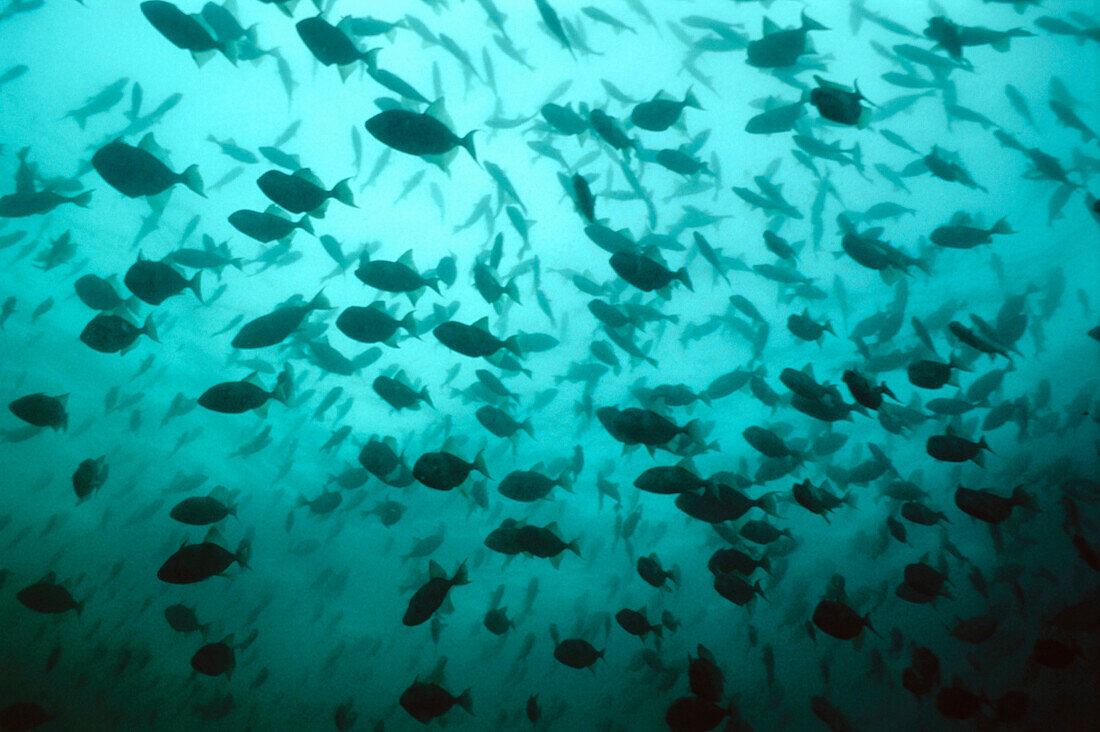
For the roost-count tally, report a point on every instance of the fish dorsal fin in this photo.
(808, 369)
(482, 324)
(309, 176)
(406, 259)
(539, 467)
(435, 571)
(770, 26)
(149, 145)
(449, 445)
(688, 464)
(436, 109)
(219, 493)
(274, 210)
(553, 528)
(214, 537)
(254, 379)
(229, 640)
(874, 233)
(50, 578)
(208, 243)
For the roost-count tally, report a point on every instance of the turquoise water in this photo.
(316, 618)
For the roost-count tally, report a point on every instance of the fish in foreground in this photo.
(426, 701)
(41, 410)
(138, 171)
(432, 594)
(417, 133)
(197, 562)
(237, 397)
(48, 597)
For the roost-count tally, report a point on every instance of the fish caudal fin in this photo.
(468, 143)
(193, 180)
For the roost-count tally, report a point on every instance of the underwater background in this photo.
(314, 621)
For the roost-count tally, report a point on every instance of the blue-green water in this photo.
(316, 618)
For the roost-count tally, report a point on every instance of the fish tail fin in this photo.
(682, 275)
(983, 445)
(1023, 499)
(765, 564)
(342, 192)
(468, 143)
(575, 547)
(426, 397)
(408, 323)
(466, 702)
(657, 631)
(512, 290)
(479, 463)
(193, 180)
(281, 392)
(767, 503)
(512, 344)
(697, 431)
(244, 552)
(149, 329)
(196, 286)
(305, 225)
(1002, 227)
(319, 302)
(83, 200)
(760, 590)
(229, 50)
(690, 100)
(525, 425)
(462, 576)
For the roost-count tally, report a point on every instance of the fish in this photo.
(425, 701)
(430, 597)
(780, 48)
(193, 563)
(137, 171)
(276, 326)
(237, 397)
(185, 31)
(48, 597)
(302, 192)
(417, 133)
(658, 114)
